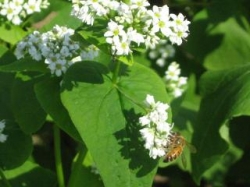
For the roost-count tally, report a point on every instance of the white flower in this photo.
(142, 26)
(10, 10)
(160, 62)
(158, 13)
(179, 23)
(32, 6)
(90, 53)
(58, 67)
(114, 32)
(56, 48)
(174, 82)
(17, 10)
(134, 36)
(3, 137)
(139, 4)
(173, 72)
(122, 47)
(151, 40)
(156, 130)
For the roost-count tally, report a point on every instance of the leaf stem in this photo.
(4, 179)
(116, 71)
(58, 157)
(77, 166)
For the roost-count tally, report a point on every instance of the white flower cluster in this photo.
(162, 52)
(90, 53)
(130, 25)
(17, 10)
(156, 130)
(3, 137)
(55, 46)
(175, 83)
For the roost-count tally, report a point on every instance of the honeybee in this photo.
(175, 148)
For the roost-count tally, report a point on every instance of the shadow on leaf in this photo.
(88, 72)
(133, 146)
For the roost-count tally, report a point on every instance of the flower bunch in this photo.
(175, 83)
(161, 52)
(17, 10)
(156, 131)
(55, 46)
(3, 137)
(90, 52)
(132, 25)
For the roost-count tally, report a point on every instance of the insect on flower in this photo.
(175, 148)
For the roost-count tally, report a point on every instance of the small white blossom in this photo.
(173, 72)
(161, 53)
(134, 21)
(3, 137)
(90, 53)
(56, 48)
(156, 130)
(114, 32)
(175, 83)
(122, 47)
(17, 10)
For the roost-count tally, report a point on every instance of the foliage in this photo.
(97, 104)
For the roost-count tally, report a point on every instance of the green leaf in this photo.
(216, 174)
(127, 59)
(16, 149)
(48, 94)
(26, 108)
(3, 50)
(25, 64)
(89, 171)
(30, 175)
(60, 15)
(106, 116)
(220, 40)
(95, 36)
(226, 94)
(6, 80)
(11, 33)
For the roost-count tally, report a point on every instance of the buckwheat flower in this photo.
(179, 22)
(35, 53)
(122, 47)
(32, 6)
(151, 40)
(161, 52)
(173, 72)
(174, 82)
(90, 53)
(159, 13)
(160, 62)
(11, 10)
(3, 137)
(176, 38)
(55, 47)
(135, 36)
(58, 67)
(17, 10)
(114, 32)
(139, 4)
(65, 52)
(155, 130)
(125, 15)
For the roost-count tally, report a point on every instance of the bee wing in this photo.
(184, 161)
(191, 147)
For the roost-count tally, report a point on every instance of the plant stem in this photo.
(5, 181)
(58, 157)
(116, 71)
(77, 167)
